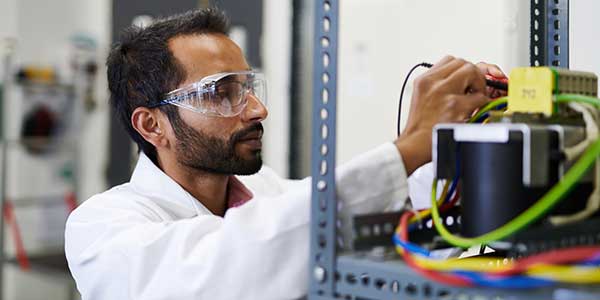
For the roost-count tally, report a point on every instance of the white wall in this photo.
(584, 35)
(276, 53)
(380, 40)
(8, 22)
(8, 26)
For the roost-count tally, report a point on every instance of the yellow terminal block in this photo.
(530, 90)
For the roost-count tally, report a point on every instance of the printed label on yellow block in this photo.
(530, 90)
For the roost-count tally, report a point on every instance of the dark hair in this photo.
(142, 68)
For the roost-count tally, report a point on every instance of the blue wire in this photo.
(487, 114)
(592, 262)
(512, 282)
(451, 191)
(410, 247)
(456, 176)
(413, 226)
(453, 185)
(452, 188)
(481, 118)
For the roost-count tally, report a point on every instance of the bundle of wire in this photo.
(534, 271)
(570, 265)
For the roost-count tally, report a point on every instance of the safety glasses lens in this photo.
(226, 97)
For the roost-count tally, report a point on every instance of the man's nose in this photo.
(255, 110)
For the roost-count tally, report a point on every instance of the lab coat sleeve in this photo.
(419, 186)
(121, 248)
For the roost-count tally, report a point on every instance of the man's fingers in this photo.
(446, 59)
(495, 93)
(491, 69)
(440, 71)
(466, 79)
(470, 102)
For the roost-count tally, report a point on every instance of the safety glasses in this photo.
(220, 95)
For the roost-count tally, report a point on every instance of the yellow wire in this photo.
(560, 273)
(569, 274)
(475, 264)
(491, 265)
(425, 213)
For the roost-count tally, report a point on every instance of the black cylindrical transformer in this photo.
(492, 189)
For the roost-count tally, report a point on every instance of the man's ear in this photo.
(150, 124)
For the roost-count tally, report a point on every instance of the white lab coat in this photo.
(419, 186)
(150, 239)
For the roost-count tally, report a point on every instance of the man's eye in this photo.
(224, 93)
(231, 91)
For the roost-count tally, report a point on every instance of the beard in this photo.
(201, 151)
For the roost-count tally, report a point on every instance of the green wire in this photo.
(484, 109)
(562, 98)
(551, 198)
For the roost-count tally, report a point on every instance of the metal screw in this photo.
(395, 287)
(320, 274)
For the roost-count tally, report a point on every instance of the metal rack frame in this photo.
(549, 33)
(350, 276)
(3, 158)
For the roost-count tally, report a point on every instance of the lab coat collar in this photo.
(151, 181)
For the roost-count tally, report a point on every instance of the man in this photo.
(185, 227)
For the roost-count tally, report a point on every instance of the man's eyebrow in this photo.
(233, 76)
(230, 78)
(236, 70)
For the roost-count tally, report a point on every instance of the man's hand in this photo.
(449, 92)
(493, 72)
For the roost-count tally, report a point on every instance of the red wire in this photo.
(454, 199)
(446, 206)
(559, 256)
(20, 248)
(70, 201)
(433, 275)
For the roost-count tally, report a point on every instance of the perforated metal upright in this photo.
(336, 275)
(549, 33)
(324, 204)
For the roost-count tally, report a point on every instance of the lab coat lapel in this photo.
(151, 181)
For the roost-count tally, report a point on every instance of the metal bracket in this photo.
(323, 200)
(549, 38)
(375, 230)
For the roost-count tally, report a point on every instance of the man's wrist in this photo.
(415, 149)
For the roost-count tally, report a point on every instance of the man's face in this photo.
(224, 145)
